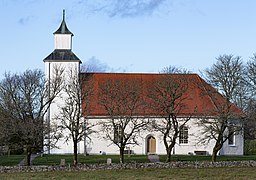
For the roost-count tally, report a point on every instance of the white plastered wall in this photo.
(62, 41)
(64, 147)
(99, 144)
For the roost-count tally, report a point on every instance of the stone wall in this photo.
(89, 167)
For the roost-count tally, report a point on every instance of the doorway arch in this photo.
(151, 145)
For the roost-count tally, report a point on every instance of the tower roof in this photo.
(63, 29)
(62, 55)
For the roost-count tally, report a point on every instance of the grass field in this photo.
(92, 159)
(11, 160)
(207, 173)
(177, 173)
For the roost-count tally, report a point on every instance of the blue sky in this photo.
(128, 36)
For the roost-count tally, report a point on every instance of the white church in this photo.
(148, 141)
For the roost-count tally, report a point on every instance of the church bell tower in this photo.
(63, 58)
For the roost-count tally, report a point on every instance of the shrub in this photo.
(250, 147)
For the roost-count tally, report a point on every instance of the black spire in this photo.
(63, 29)
(63, 15)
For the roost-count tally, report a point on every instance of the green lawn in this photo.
(186, 173)
(209, 158)
(92, 159)
(11, 160)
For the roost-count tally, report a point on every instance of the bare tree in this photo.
(52, 89)
(73, 114)
(8, 140)
(166, 97)
(251, 75)
(174, 70)
(250, 122)
(123, 104)
(22, 101)
(226, 75)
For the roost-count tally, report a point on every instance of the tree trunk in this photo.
(28, 155)
(215, 150)
(169, 154)
(75, 152)
(122, 154)
(169, 151)
(170, 147)
(214, 155)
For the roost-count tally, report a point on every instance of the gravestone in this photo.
(62, 162)
(109, 161)
(153, 158)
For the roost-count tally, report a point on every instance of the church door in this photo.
(151, 145)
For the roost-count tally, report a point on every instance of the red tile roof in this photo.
(197, 99)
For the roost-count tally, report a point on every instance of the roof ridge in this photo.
(140, 73)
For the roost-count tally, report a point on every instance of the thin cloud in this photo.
(134, 8)
(95, 65)
(122, 8)
(26, 20)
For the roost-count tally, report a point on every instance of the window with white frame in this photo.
(117, 133)
(183, 138)
(231, 136)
